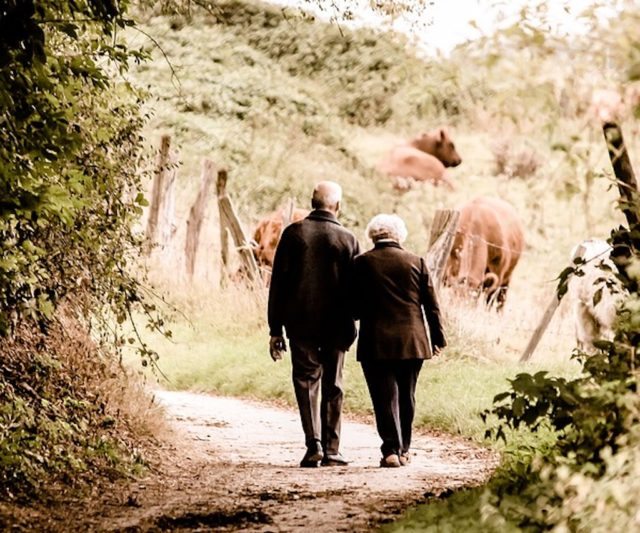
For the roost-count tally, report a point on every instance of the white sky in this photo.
(445, 23)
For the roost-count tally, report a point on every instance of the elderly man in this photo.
(393, 295)
(308, 296)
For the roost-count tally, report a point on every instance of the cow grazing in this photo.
(486, 248)
(267, 234)
(594, 316)
(423, 158)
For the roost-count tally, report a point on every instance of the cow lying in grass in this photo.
(423, 158)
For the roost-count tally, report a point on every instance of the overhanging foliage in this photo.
(68, 159)
(69, 181)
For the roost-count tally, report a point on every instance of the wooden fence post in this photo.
(542, 326)
(229, 221)
(287, 213)
(627, 184)
(162, 205)
(443, 230)
(221, 185)
(546, 318)
(196, 214)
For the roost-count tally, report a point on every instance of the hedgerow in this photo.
(69, 181)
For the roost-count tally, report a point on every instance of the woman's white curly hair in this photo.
(385, 226)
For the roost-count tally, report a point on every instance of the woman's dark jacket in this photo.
(391, 289)
(309, 292)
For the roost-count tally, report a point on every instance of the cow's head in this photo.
(458, 274)
(267, 234)
(452, 269)
(265, 243)
(455, 274)
(438, 144)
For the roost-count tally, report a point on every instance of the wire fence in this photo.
(474, 237)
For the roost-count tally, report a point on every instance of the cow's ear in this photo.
(443, 135)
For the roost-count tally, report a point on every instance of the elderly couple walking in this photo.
(320, 284)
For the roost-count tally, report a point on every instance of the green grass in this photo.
(224, 350)
(461, 511)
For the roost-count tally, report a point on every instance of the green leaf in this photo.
(597, 296)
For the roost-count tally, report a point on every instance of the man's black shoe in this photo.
(334, 459)
(312, 458)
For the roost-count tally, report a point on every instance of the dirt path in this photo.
(233, 465)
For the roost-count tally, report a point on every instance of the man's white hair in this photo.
(326, 194)
(385, 226)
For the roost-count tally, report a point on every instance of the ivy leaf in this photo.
(597, 296)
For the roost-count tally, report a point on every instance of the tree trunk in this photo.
(627, 184)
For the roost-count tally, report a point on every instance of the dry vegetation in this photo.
(87, 417)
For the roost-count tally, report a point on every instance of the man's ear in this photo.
(338, 205)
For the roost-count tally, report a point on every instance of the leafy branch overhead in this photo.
(70, 184)
(71, 143)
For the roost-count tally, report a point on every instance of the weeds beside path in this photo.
(233, 465)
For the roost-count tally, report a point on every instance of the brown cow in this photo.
(486, 249)
(423, 158)
(267, 234)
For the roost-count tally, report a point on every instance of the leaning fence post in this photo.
(627, 184)
(541, 328)
(196, 214)
(546, 318)
(229, 221)
(443, 230)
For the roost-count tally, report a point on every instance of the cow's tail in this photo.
(491, 282)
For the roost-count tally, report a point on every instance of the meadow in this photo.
(277, 99)
(283, 101)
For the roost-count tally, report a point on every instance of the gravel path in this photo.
(232, 465)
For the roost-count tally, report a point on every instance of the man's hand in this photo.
(277, 346)
(437, 350)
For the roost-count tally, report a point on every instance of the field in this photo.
(282, 102)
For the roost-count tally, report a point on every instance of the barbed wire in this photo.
(478, 238)
(474, 237)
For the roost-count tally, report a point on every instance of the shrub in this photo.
(66, 411)
(594, 416)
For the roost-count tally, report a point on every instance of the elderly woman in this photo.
(393, 295)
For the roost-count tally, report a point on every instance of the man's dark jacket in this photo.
(391, 289)
(309, 292)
